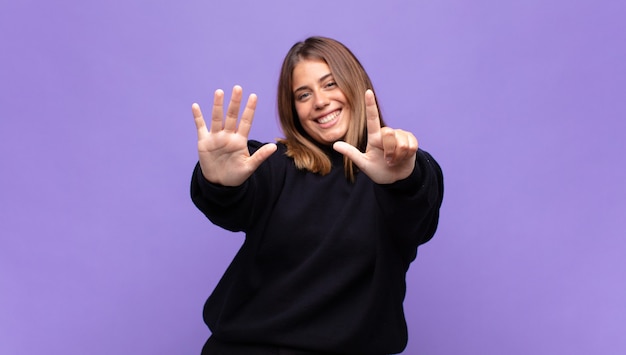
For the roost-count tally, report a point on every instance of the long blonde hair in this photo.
(353, 81)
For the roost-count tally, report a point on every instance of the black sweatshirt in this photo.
(324, 261)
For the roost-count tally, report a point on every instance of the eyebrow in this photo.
(303, 87)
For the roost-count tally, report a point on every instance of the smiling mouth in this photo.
(328, 118)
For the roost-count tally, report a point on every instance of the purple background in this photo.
(522, 102)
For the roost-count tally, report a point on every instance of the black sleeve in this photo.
(411, 206)
(223, 205)
(233, 208)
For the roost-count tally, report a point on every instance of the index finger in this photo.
(371, 113)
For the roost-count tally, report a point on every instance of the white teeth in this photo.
(329, 117)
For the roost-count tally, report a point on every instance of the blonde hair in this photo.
(353, 81)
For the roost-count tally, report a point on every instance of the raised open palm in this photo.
(223, 147)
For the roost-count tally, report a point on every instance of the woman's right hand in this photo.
(223, 148)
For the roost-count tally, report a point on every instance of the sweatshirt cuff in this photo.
(216, 190)
(409, 184)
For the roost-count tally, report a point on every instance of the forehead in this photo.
(309, 72)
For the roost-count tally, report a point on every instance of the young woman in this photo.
(333, 213)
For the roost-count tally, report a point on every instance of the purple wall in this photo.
(522, 103)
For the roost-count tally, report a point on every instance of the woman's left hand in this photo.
(390, 153)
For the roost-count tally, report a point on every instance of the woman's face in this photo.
(321, 105)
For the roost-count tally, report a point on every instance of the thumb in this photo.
(351, 152)
(262, 154)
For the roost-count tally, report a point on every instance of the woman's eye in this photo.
(331, 84)
(303, 96)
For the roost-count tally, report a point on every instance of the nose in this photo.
(321, 100)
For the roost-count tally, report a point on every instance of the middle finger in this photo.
(230, 124)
